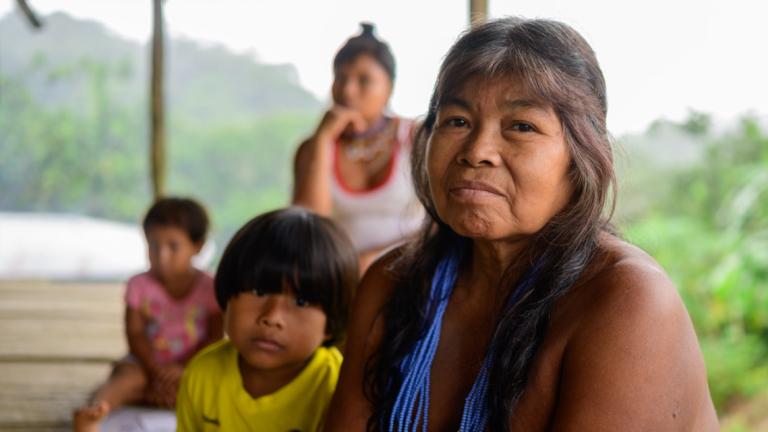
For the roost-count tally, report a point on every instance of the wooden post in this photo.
(29, 14)
(157, 140)
(478, 12)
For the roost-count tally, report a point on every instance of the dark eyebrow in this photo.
(452, 100)
(526, 104)
(510, 104)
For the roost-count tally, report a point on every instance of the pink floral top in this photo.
(174, 327)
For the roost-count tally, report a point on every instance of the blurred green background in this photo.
(74, 138)
(696, 198)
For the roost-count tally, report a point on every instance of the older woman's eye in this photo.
(522, 127)
(457, 122)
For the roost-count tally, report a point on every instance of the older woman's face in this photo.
(362, 84)
(497, 162)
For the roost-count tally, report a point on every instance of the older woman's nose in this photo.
(480, 149)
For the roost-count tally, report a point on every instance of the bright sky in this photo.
(659, 57)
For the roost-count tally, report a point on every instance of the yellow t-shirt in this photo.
(212, 398)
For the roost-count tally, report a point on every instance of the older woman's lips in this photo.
(475, 189)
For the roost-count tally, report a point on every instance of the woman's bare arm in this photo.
(350, 409)
(312, 177)
(634, 362)
(312, 165)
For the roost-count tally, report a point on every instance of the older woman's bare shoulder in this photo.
(623, 283)
(629, 335)
(350, 408)
(380, 281)
(620, 266)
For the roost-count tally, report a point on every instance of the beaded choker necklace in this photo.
(374, 147)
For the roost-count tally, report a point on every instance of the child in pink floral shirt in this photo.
(174, 327)
(171, 314)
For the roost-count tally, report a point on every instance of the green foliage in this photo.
(95, 160)
(239, 169)
(707, 225)
(697, 123)
(57, 159)
(74, 125)
(736, 365)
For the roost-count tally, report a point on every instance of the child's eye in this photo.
(300, 302)
(259, 292)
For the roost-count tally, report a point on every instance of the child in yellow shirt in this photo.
(285, 282)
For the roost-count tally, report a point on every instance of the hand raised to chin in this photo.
(340, 121)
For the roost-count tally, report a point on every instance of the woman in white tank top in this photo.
(356, 166)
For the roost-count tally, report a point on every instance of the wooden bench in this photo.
(57, 342)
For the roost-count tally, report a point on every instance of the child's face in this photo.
(170, 251)
(274, 332)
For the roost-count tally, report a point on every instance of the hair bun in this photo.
(367, 29)
(366, 43)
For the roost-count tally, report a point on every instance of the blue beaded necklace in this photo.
(415, 367)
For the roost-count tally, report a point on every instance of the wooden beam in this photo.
(29, 14)
(478, 12)
(157, 141)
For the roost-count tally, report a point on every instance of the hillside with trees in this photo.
(74, 124)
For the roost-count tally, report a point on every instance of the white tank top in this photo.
(383, 214)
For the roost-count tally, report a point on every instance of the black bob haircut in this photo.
(184, 213)
(366, 43)
(296, 248)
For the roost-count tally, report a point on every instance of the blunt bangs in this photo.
(292, 249)
(542, 56)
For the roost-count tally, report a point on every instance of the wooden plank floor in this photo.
(56, 344)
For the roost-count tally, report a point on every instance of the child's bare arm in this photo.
(167, 376)
(138, 344)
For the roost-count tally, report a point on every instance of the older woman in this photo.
(518, 309)
(355, 168)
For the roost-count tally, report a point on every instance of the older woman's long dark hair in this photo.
(555, 64)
